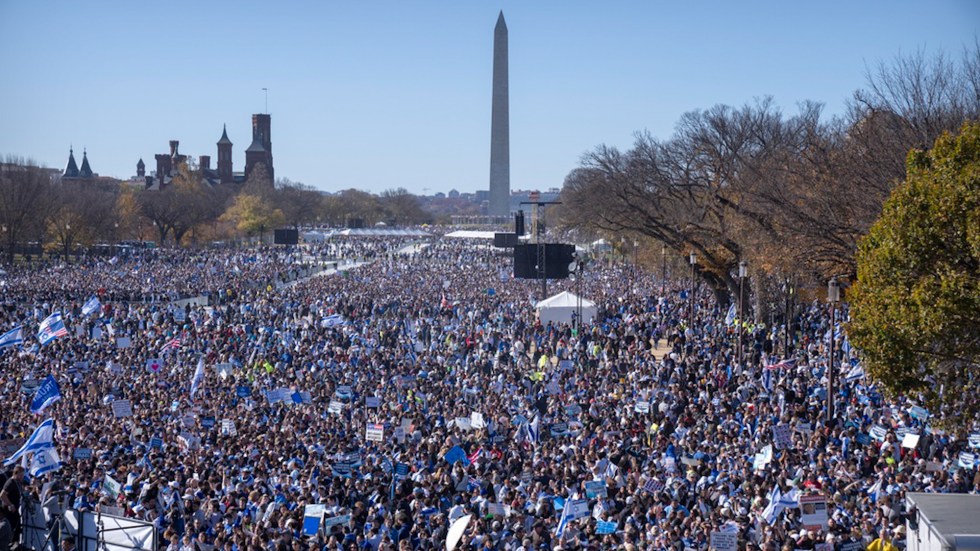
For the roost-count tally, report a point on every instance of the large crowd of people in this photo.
(417, 388)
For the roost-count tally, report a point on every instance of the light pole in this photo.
(694, 260)
(789, 316)
(833, 295)
(742, 272)
(663, 270)
(67, 231)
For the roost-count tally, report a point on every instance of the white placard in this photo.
(813, 511)
(910, 440)
(724, 541)
(476, 420)
(122, 408)
(375, 433)
(228, 427)
(782, 436)
(642, 407)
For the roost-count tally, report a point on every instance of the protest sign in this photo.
(782, 436)
(375, 432)
(724, 541)
(122, 408)
(595, 488)
(813, 511)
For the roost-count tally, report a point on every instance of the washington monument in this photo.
(500, 126)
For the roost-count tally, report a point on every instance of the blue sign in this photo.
(82, 453)
(156, 442)
(602, 527)
(207, 422)
(244, 391)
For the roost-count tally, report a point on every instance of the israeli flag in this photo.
(13, 337)
(45, 461)
(91, 305)
(47, 394)
(198, 377)
(51, 328)
(562, 522)
(331, 321)
(42, 437)
(730, 317)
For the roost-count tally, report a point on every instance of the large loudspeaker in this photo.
(286, 237)
(355, 223)
(519, 222)
(557, 258)
(505, 240)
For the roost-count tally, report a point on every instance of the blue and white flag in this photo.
(562, 523)
(198, 377)
(91, 305)
(47, 394)
(333, 320)
(42, 437)
(51, 328)
(730, 317)
(45, 461)
(13, 337)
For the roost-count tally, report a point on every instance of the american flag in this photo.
(785, 364)
(172, 344)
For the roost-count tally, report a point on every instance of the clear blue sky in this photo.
(376, 95)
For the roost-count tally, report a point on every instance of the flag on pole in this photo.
(13, 337)
(198, 377)
(172, 344)
(730, 317)
(44, 461)
(47, 394)
(51, 328)
(785, 364)
(42, 437)
(562, 522)
(91, 306)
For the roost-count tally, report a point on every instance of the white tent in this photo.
(562, 307)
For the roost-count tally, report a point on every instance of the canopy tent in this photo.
(562, 308)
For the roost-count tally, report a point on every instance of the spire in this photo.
(501, 24)
(85, 171)
(140, 163)
(71, 171)
(224, 136)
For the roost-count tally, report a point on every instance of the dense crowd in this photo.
(642, 418)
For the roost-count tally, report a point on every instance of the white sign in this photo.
(813, 511)
(122, 408)
(476, 420)
(724, 541)
(123, 342)
(335, 407)
(228, 427)
(642, 407)
(910, 440)
(782, 436)
(372, 401)
(576, 508)
(375, 433)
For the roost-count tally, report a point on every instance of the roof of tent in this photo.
(564, 300)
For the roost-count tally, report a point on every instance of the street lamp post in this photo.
(742, 272)
(663, 270)
(694, 260)
(833, 295)
(789, 317)
(65, 242)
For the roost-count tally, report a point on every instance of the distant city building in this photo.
(258, 153)
(73, 173)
